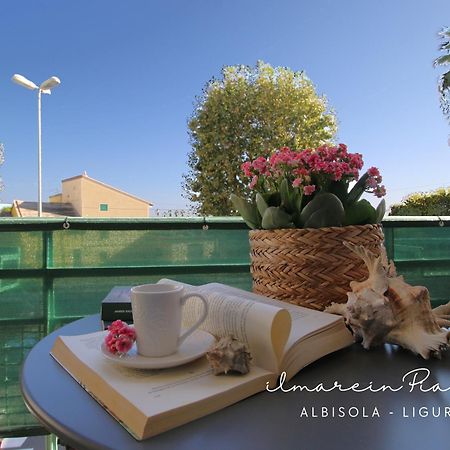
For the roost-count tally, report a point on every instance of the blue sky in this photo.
(130, 72)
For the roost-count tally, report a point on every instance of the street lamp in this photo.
(45, 88)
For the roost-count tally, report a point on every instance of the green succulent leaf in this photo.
(321, 219)
(272, 199)
(381, 211)
(296, 219)
(324, 210)
(275, 217)
(286, 195)
(261, 204)
(248, 211)
(358, 189)
(339, 189)
(297, 200)
(360, 213)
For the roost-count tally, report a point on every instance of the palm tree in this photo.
(444, 79)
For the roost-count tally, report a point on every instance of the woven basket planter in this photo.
(310, 267)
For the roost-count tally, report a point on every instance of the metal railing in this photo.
(56, 270)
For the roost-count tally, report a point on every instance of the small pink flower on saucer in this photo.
(120, 338)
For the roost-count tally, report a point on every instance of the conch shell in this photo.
(229, 355)
(384, 308)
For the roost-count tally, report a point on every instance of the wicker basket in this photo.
(310, 267)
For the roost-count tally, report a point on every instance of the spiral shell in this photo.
(384, 308)
(229, 355)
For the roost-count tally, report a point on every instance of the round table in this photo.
(269, 420)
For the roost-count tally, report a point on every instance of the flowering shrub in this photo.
(120, 338)
(310, 188)
(432, 203)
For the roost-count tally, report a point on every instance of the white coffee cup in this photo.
(157, 312)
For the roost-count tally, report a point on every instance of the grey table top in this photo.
(269, 420)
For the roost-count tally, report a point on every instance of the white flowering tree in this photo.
(248, 111)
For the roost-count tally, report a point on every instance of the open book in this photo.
(281, 337)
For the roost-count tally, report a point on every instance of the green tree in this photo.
(434, 203)
(249, 112)
(6, 211)
(444, 79)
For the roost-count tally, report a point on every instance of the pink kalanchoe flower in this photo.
(373, 172)
(111, 345)
(131, 333)
(110, 340)
(273, 158)
(120, 337)
(343, 148)
(371, 183)
(333, 153)
(308, 190)
(380, 191)
(116, 325)
(127, 331)
(310, 170)
(300, 172)
(124, 344)
(253, 182)
(355, 160)
(260, 164)
(245, 167)
(345, 167)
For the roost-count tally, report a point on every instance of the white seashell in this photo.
(384, 308)
(229, 355)
(442, 314)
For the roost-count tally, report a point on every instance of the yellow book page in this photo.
(264, 328)
(132, 395)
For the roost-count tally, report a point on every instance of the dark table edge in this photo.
(52, 426)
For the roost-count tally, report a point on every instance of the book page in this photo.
(313, 334)
(153, 393)
(315, 346)
(305, 322)
(264, 328)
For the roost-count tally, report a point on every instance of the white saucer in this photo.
(195, 346)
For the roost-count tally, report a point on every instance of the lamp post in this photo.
(44, 88)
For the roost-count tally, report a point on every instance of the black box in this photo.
(117, 306)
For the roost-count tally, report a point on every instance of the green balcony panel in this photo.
(140, 248)
(16, 340)
(52, 273)
(22, 298)
(422, 244)
(21, 250)
(81, 296)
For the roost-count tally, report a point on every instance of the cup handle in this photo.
(199, 321)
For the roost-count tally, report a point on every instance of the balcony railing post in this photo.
(47, 288)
